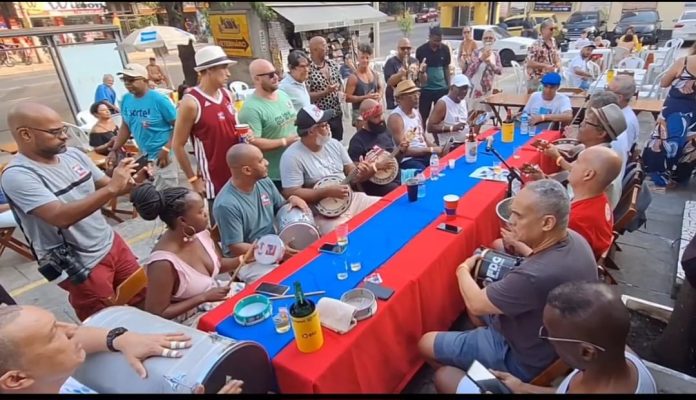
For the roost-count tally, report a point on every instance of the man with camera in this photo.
(512, 306)
(56, 193)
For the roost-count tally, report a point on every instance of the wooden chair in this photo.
(5, 297)
(7, 241)
(551, 373)
(129, 288)
(624, 213)
(602, 272)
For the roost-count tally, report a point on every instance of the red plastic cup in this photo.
(243, 131)
(451, 201)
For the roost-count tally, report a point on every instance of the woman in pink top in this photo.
(185, 261)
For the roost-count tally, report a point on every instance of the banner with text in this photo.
(231, 32)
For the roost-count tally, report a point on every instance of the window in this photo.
(639, 17)
(582, 17)
(514, 23)
(689, 15)
(478, 34)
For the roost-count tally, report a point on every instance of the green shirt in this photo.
(245, 217)
(270, 120)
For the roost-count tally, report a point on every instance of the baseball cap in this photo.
(134, 71)
(310, 115)
(551, 78)
(460, 80)
(590, 44)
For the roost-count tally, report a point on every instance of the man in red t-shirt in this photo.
(207, 116)
(590, 211)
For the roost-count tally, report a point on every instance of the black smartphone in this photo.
(485, 380)
(381, 292)
(272, 289)
(449, 228)
(140, 163)
(332, 248)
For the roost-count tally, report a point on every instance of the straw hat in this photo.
(405, 87)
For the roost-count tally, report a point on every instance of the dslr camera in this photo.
(63, 258)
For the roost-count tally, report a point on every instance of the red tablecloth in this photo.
(381, 355)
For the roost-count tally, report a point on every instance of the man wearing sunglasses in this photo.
(542, 56)
(587, 324)
(56, 193)
(149, 116)
(548, 106)
(270, 115)
(512, 306)
(401, 67)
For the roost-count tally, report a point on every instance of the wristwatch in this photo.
(112, 335)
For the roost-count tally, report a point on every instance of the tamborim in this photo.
(296, 228)
(384, 175)
(493, 265)
(332, 207)
(212, 360)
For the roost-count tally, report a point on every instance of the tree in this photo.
(175, 12)
(405, 22)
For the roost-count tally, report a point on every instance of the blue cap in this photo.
(551, 78)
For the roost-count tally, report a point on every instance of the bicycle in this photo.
(6, 57)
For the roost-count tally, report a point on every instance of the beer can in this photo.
(493, 265)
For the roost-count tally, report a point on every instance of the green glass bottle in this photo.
(302, 307)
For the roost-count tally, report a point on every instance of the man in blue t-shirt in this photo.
(149, 117)
(105, 92)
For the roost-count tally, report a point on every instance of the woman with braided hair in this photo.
(185, 261)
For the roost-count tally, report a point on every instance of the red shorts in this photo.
(93, 294)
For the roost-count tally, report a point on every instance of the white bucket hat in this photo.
(211, 56)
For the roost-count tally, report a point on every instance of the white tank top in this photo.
(456, 113)
(412, 124)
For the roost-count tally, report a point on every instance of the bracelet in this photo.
(112, 335)
(193, 179)
(165, 148)
(285, 142)
(558, 161)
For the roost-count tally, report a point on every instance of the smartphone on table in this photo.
(272, 289)
(332, 248)
(449, 228)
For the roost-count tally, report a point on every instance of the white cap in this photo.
(134, 70)
(211, 56)
(460, 80)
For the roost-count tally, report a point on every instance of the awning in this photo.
(327, 15)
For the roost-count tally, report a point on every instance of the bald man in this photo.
(590, 210)
(396, 71)
(270, 115)
(374, 133)
(587, 324)
(57, 193)
(247, 204)
(324, 83)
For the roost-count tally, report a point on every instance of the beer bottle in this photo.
(302, 307)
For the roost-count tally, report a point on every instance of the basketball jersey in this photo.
(213, 133)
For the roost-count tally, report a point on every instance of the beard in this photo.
(376, 128)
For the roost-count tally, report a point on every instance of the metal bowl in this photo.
(363, 300)
(503, 209)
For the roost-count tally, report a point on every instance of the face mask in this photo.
(377, 128)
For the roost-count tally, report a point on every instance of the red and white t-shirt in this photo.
(213, 133)
(593, 219)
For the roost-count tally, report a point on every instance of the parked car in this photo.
(685, 28)
(578, 21)
(509, 47)
(427, 15)
(647, 24)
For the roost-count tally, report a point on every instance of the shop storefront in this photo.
(51, 13)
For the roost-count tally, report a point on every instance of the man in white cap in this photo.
(207, 114)
(449, 116)
(580, 75)
(149, 116)
(405, 124)
(316, 156)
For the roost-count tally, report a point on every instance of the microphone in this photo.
(489, 143)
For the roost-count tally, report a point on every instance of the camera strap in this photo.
(13, 205)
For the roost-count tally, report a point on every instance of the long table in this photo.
(399, 240)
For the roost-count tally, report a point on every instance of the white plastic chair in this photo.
(520, 85)
(632, 62)
(654, 91)
(619, 53)
(676, 43)
(239, 86)
(85, 117)
(77, 137)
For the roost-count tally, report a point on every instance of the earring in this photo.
(188, 237)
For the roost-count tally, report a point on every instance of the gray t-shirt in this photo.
(521, 296)
(72, 179)
(299, 166)
(646, 383)
(245, 217)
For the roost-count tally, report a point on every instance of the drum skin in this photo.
(211, 360)
(385, 176)
(296, 228)
(332, 207)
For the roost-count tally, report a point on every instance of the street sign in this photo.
(231, 32)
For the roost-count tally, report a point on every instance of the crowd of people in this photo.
(525, 321)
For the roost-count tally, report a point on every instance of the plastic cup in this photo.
(450, 163)
(243, 131)
(412, 188)
(342, 234)
(508, 130)
(451, 201)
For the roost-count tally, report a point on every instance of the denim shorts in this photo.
(485, 344)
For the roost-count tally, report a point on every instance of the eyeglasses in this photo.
(586, 122)
(322, 125)
(296, 66)
(129, 79)
(405, 48)
(543, 334)
(54, 132)
(270, 75)
(547, 86)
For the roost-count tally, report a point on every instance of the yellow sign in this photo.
(231, 32)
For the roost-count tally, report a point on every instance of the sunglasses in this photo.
(405, 48)
(125, 79)
(54, 132)
(543, 334)
(270, 75)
